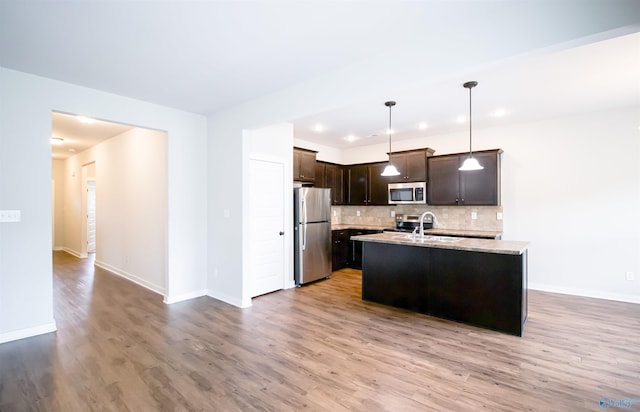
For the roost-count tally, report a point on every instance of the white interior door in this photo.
(91, 216)
(266, 211)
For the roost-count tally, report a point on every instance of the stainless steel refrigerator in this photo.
(312, 234)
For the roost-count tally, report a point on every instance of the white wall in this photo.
(131, 205)
(271, 143)
(26, 298)
(325, 153)
(57, 171)
(229, 203)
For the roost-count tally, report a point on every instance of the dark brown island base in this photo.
(475, 281)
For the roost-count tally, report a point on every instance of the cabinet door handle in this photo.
(281, 233)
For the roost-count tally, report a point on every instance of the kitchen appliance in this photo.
(408, 193)
(311, 234)
(408, 223)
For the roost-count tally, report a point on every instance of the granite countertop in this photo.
(489, 234)
(433, 231)
(506, 247)
(358, 226)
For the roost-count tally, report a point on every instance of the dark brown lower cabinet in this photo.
(355, 260)
(488, 290)
(346, 252)
(340, 248)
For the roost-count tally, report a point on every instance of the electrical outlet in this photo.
(474, 215)
(393, 213)
(9, 215)
(335, 212)
(499, 216)
(630, 276)
(357, 213)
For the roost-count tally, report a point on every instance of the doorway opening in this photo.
(88, 175)
(110, 197)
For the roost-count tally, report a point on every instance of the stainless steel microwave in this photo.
(407, 193)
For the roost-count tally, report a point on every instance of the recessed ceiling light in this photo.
(389, 131)
(461, 119)
(423, 125)
(72, 150)
(499, 113)
(85, 119)
(57, 140)
(318, 128)
(351, 138)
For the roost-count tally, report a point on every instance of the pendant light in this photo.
(390, 170)
(470, 163)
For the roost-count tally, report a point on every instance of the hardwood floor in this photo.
(316, 348)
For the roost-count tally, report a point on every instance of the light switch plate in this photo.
(7, 216)
(474, 215)
(499, 216)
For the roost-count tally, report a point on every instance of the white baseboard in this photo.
(133, 278)
(73, 252)
(58, 248)
(585, 293)
(228, 299)
(185, 296)
(28, 332)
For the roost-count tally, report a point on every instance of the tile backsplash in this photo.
(449, 217)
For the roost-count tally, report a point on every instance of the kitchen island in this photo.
(475, 281)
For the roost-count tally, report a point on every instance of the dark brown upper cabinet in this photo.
(304, 165)
(320, 177)
(449, 186)
(331, 176)
(412, 165)
(366, 186)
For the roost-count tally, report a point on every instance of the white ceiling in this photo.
(205, 56)
(599, 76)
(79, 134)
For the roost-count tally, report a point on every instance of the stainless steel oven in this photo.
(408, 193)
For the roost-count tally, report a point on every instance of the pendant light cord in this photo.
(389, 104)
(389, 134)
(470, 85)
(470, 121)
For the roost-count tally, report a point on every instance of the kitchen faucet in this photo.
(435, 222)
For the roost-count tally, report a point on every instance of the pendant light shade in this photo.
(470, 163)
(390, 169)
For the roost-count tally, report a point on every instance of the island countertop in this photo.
(506, 247)
(484, 234)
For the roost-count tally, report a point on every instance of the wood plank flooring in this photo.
(315, 348)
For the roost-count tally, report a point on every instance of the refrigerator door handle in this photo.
(304, 236)
(304, 223)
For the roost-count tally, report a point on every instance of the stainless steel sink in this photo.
(429, 238)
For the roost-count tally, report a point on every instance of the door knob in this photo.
(281, 233)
